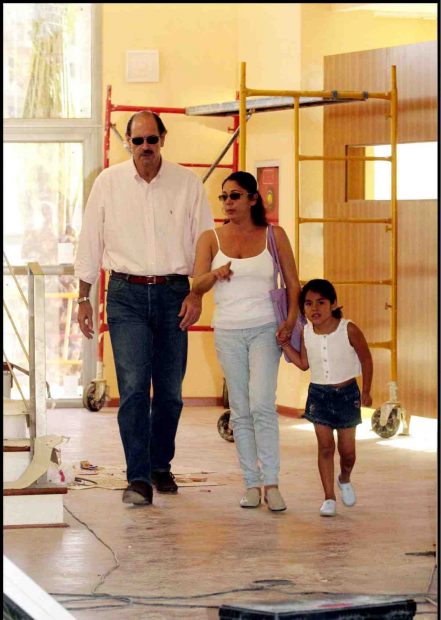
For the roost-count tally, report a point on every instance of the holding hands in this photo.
(283, 333)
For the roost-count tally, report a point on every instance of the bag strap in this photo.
(273, 251)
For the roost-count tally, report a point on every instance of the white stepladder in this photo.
(29, 498)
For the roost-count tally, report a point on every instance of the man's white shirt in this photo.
(141, 228)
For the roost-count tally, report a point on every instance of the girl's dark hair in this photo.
(249, 184)
(324, 288)
(159, 123)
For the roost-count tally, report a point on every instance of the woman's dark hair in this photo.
(249, 184)
(323, 288)
(159, 123)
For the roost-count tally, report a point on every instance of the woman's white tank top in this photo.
(244, 301)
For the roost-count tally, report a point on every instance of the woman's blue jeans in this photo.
(250, 361)
(149, 350)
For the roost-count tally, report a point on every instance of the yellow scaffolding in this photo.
(386, 420)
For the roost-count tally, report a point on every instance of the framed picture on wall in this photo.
(267, 175)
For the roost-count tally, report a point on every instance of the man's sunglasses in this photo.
(148, 139)
(234, 195)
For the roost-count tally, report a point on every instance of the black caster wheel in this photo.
(392, 423)
(225, 402)
(224, 428)
(90, 400)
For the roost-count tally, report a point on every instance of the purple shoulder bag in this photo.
(279, 295)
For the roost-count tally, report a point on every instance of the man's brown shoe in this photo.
(138, 492)
(164, 482)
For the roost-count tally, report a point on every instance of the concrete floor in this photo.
(186, 555)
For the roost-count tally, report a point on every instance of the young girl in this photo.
(336, 352)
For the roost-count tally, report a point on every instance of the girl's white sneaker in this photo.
(328, 508)
(347, 492)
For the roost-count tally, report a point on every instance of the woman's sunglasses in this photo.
(234, 195)
(148, 139)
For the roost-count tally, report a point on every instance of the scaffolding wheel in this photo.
(225, 401)
(223, 426)
(386, 427)
(95, 395)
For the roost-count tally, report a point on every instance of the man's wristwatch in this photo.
(81, 300)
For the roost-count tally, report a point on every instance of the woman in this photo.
(235, 260)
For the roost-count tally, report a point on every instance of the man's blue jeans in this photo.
(149, 349)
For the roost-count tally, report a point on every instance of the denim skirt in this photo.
(337, 407)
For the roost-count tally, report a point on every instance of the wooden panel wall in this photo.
(361, 251)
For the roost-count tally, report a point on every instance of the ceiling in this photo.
(386, 9)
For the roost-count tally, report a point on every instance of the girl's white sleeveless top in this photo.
(331, 357)
(244, 301)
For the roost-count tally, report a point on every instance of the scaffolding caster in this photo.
(223, 424)
(95, 395)
(386, 419)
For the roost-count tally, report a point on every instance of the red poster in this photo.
(268, 182)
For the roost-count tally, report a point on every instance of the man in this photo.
(141, 223)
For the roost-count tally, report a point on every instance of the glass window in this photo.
(43, 192)
(47, 60)
(52, 145)
(417, 172)
(43, 198)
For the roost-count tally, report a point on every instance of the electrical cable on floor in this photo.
(148, 601)
(128, 601)
(117, 564)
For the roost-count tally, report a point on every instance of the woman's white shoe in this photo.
(328, 508)
(251, 499)
(274, 500)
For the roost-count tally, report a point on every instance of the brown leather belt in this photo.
(173, 277)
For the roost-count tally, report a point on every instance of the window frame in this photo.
(89, 132)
